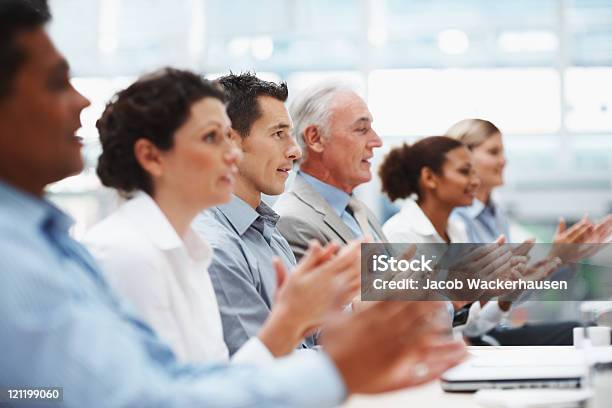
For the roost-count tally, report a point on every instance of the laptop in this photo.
(513, 368)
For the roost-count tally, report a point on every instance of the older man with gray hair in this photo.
(334, 129)
(333, 126)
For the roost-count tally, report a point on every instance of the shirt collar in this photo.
(336, 198)
(241, 215)
(421, 224)
(474, 210)
(418, 220)
(146, 214)
(36, 211)
(478, 207)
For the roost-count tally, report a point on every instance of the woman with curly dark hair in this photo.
(434, 175)
(165, 147)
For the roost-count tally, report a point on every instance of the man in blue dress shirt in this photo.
(61, 325)
(243, 232)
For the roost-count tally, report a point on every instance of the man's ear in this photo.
(235, 138)
(313, 139)
(149, 157)
(429, 179)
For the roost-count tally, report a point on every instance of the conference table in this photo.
(432, 395)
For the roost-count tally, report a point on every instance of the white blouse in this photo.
(411, 225)
(166, 278)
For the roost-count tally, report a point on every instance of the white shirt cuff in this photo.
(252, 352)
(482, 319)
(492, 312)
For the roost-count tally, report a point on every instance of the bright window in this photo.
(589, 99)
(426, 102)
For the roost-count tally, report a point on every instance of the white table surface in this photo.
(432, 395)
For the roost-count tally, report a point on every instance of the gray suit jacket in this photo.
(305, 215)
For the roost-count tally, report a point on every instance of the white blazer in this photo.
(166, 278)
(411, 225)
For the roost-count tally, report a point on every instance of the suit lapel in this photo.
(339, 227)
(309, 196)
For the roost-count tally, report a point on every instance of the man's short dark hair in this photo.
(17, 16)
(242, 92)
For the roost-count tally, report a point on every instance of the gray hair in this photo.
(313, 106)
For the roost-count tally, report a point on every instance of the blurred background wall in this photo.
(540, 69)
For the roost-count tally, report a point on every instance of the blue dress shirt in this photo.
(61, 326)
(338, 201)
(483, 223)
(244, 241)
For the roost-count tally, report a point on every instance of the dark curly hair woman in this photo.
(165, 147)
